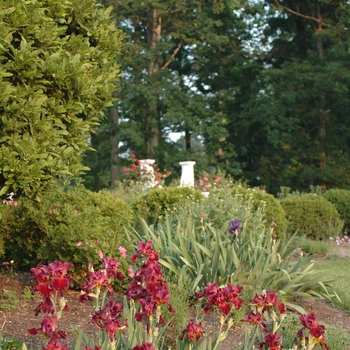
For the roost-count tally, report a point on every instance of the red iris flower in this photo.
(193, 330)
(52, 277)
(272, 341)
(255, 318)
(54, 344)
(222, 298)
(111, 266)
(108, 319)
(144, 346)
(310, 322)
(47, 328)
(266, 301)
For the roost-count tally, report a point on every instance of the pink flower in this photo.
(133, 167)
(133, 156)
(201, 183)
(122, 251)
(205, 178)
(138, 161)
(131, 272)
(100, 254)
(217, 179)
(79, 244)
(126, 170)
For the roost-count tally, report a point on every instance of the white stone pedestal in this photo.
(147, 173)
(187, 175)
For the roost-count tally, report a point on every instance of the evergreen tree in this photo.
(297, 118)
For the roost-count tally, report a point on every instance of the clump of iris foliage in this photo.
(199, 245)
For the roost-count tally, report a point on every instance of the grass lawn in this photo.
(337, 267)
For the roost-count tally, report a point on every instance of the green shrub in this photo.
(158, 202)
(341, 200)
(219, 209)
(268, 204)
(71, 224)
(21, 232)
(312, 215)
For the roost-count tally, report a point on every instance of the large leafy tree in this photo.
(296, 130)
(58, 70)
(168, 46)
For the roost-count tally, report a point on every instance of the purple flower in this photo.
(235, 228)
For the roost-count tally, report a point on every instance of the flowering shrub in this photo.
(147, 173)
(340, 245)
(209, 183)
(141, 313)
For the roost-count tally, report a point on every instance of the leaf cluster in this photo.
(58, 69)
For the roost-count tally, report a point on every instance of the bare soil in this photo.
(16, 321)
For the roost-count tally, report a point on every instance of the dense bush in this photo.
(59, 68)
(312, 215)
(267, 203)
(157, 202)
(219, 209)
(71, 223)
(341, 200)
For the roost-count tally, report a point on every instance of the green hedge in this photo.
(157, 202)
(312, 215)
(267, 203)
(71, 224)
(341, 200)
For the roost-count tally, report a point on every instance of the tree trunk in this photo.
(115, 161)
(321, 99)
(188, 139)
(153, 38)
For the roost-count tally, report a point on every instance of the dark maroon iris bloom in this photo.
(51, 278)
(310, 322)
(272, 341)
(109, 318)
(47, 328)
(255, 319)
(54, 344)
(223, 298)
(144, 346)
(193, 330)
(266, 301)
(111, 266)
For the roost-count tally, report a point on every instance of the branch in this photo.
(297, 13)
(166, 64)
